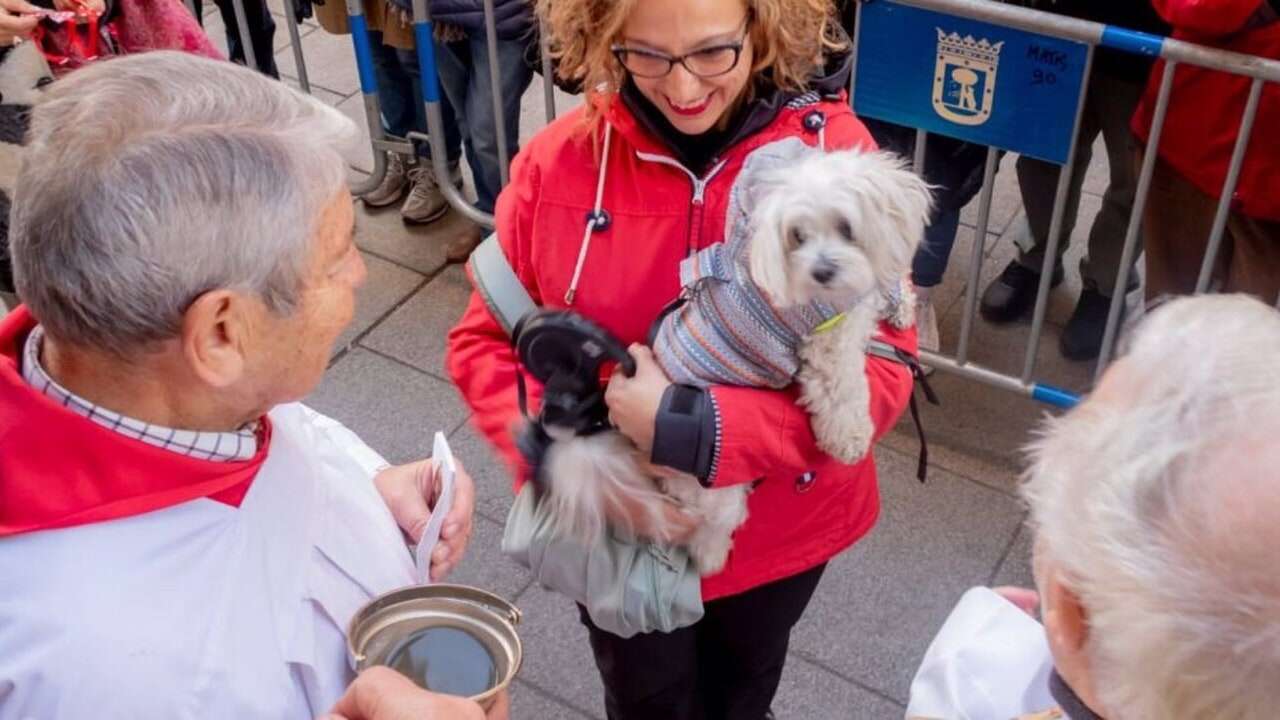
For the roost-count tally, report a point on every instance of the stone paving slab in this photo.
(394, 408)
(417, 331)
(387, 285)
(881, 602)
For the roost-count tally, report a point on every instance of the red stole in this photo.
(60, 469)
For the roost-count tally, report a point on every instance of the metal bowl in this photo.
(381, 625)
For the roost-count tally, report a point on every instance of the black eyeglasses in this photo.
(706, 62)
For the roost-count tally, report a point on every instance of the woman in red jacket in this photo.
(1200, 133)
(685, 91)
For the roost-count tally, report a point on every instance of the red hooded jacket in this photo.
(1206, 106)
(808, 506)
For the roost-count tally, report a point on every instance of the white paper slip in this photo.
(446, 469)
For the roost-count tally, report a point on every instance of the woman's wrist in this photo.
(684, 431)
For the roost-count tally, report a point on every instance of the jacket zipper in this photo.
(699, 193)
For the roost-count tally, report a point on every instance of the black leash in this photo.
(919, 378)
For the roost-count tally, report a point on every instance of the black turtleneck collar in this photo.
(1067, 699)
(699, 152)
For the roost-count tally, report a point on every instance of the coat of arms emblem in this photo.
(964, 78)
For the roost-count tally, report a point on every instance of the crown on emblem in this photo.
(967, 46)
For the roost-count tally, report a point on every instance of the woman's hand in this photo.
(633, 401)
(17, 19)
(411, 491)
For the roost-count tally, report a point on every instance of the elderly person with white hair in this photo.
(1156, 518)
(179, 538)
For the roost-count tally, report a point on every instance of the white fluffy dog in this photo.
(819, 246)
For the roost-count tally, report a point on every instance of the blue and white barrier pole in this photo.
(369, 89)
(423, 33)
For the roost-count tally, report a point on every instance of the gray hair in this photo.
(1159, 502)
(151, 179)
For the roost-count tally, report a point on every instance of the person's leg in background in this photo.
(1254, 267)
(742, 645)
(426, 202)
(396, 102)
(1175, 234)
(1114, 104)
(955, 168)
(479, 125)
(514, 75)
(1013, 293)
(262, 30)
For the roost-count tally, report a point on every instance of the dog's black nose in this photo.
(823, 274)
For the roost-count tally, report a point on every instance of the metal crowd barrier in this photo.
(974, 22)
(901, 104)
(381, 142)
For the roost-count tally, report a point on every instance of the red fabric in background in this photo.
(136, 26)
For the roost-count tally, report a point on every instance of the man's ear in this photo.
(1066, 625)
(216, 330)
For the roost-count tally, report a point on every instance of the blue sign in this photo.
(971, 80)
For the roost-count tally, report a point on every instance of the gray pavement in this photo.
(854, 652)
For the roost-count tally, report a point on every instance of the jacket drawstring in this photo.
(596, 221)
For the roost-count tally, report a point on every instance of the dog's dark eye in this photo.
(845, 230)
(795, 237)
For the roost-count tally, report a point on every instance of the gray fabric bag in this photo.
(627, 585)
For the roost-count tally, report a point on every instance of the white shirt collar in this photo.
(217, 446)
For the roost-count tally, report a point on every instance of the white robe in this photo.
(203, 610)
(990, 661)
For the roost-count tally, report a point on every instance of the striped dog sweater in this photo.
(727, 332)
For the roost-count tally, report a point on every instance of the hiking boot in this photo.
(426, 202)
(460, 247)
(393, 184)
(1081, 339)
(1013, 294)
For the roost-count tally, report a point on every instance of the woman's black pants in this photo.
(727, 665)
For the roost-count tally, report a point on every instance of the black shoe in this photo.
(1082, 337)
(1011, 295)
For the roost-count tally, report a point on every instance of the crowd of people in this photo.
(181, 537)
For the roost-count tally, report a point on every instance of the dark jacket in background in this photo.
(1129, 14)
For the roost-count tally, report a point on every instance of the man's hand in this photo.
(17, 19)
(1025, 599)
(634, 401)
(380, 693)
(411, 491)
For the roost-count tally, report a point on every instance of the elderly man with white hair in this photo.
(179, 538)
(1156, 514)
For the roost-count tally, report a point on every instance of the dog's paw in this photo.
(845, 436)
(710, 551)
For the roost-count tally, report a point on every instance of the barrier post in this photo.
(548, 75)
(369, 89)
(1055, 229)
(495, 88)
(246, 38)
(1135, 220)
(1229, 187)
(295, 42)
(424, 40)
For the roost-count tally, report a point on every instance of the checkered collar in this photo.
(216, 446)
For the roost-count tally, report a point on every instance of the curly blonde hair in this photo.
(790, 38)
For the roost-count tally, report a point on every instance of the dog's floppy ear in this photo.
(897, 202)
(910, 202)
(767, 254)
